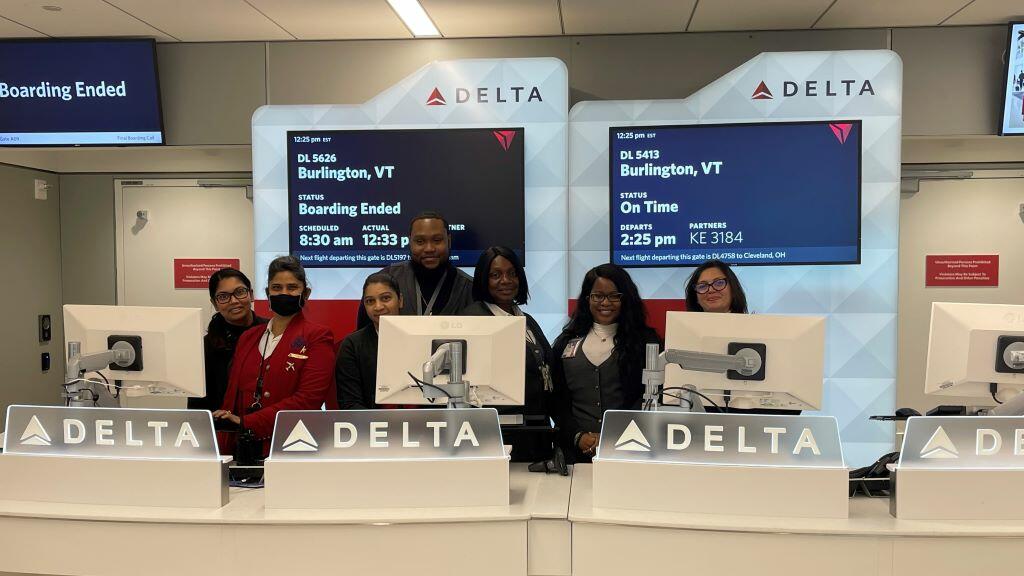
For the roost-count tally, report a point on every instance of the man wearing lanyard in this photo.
(436, 286)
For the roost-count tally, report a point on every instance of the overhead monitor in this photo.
(171, 341)
(79, 92)
(793, 357)
(765, 193)
(976, 350)
(1012, 117)
(352, 193)
(494, 353)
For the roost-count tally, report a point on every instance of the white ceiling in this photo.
(230, 20)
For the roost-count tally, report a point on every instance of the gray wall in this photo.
(977, 216)
(952, 75)
(30, 229)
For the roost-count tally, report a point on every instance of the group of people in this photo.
(256, 366)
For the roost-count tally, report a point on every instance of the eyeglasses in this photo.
(716, 285)
(240, 293)
(614, 297)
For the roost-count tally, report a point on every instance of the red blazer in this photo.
(299, 376)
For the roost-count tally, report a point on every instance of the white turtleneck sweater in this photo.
(599, 343)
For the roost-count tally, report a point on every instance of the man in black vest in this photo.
(430, 284)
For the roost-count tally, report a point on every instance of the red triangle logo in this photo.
(842, 131)
(762, 92)
(505, 137)
(435, 98)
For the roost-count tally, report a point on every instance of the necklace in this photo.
(603, 332)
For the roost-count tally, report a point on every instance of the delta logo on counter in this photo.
(110, 432)
(387, 434)
(816, 88)
(487, 95)
(701, 438)
(982, 442)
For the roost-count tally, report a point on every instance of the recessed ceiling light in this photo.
(52, 8)
(415, 17)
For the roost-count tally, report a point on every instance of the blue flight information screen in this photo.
(772, 193)
(352, 193)
(79, 93)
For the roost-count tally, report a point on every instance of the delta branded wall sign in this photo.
(482, 141)
(787, 166)
(137, 433)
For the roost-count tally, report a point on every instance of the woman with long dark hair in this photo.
(599, 358)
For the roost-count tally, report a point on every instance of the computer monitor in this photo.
(971, 351)
(794, 358)
(170, 339)
(494, 356)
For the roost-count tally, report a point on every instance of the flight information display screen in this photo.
(352, 193)
(773, 193)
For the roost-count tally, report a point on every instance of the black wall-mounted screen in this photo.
(79, 93)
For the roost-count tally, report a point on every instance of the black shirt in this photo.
(218, 350)
(355, 371)
(537, 444)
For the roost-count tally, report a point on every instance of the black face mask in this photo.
(286, 304)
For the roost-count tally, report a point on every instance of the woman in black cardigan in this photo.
(355, 372)
(599, 358)
(499, 288)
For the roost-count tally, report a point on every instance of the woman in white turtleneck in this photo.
(599, 357)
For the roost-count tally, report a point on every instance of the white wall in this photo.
(976, 216)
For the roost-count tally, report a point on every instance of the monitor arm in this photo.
(746, 361)
(457, 390)
(120, 353)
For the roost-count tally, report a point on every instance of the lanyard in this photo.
(433, 297)
(257, 396)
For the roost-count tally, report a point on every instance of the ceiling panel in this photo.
(888, 13)
(624, 17)
(474, 18)
(9, 29)
(77, 18)
(756, 14)
(989, 12)
(334, 20)
(205, 20)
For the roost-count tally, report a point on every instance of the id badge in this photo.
(545, 374)
(572, 347)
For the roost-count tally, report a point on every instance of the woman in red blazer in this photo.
(294, 356)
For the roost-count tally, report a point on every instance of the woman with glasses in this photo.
(714, 287)
(231, 296)
(288, 365)
(599, 358)
(499, 288)
(356, 370)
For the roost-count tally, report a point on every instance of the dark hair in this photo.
(481, 289)
(224, 274)
(382, 278)
(287, 264)
(739, 297)
(429, 215)
(633, 331)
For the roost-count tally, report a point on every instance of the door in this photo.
(159, 221)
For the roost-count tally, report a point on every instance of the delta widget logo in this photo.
(762, 92)
(505, 137)
(436, 98)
